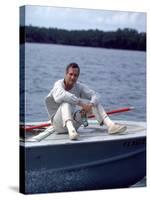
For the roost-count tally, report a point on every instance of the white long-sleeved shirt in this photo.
(58, 95)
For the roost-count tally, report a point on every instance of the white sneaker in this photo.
(117, 128)
(73, 135)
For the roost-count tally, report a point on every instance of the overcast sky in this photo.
(73, 18)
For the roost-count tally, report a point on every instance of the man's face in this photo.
(71, 76)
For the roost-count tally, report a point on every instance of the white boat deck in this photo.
(92, 133)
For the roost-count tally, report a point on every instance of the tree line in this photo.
(120, 39)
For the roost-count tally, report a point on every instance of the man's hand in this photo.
(87, 107)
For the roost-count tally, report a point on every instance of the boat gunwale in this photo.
(99, 138)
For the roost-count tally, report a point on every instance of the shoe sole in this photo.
(121, 130)
(74, 137)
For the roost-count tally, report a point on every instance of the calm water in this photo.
(118, 75)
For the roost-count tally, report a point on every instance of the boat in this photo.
(97, 160)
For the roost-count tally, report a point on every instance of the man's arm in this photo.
(87, 93)
(91, 95)
(61, 95)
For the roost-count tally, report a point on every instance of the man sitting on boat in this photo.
(69, 101)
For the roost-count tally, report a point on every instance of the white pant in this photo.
(67, 112)
(99, 113)
(64, 113)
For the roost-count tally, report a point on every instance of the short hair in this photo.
(72, 65)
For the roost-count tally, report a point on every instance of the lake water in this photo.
(119, 76)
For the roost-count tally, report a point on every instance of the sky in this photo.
(77, 18)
